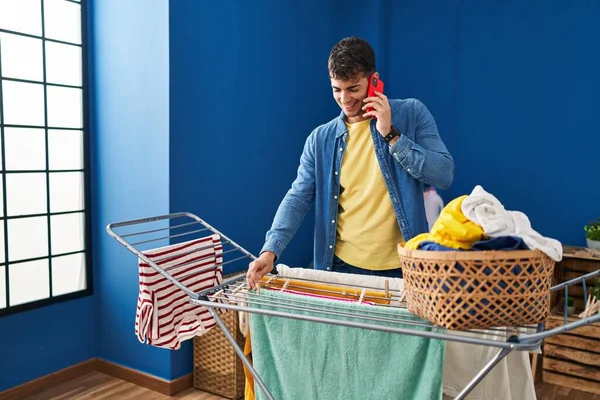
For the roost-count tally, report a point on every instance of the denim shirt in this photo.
(418, 156)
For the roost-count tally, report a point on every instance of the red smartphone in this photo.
(375, 84)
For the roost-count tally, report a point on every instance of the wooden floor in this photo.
(99, 386)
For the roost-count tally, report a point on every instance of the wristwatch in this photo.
(393, 133)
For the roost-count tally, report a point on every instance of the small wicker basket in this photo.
(217, 368)
(477, 289)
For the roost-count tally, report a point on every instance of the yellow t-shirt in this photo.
(367, 229)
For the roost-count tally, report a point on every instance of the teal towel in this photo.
(302, 360)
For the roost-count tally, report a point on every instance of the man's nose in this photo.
(345, 97)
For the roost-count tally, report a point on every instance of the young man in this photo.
(364, 172)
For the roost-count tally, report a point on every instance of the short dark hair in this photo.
(350, 57)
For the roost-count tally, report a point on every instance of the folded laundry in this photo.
(485, 210)
(451, 229)
(473, 218)
(496, 243)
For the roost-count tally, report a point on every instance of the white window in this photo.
(44, 215)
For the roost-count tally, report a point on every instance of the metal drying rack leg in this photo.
(502, 353)
(240, 353)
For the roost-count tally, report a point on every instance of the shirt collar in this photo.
(340, 124)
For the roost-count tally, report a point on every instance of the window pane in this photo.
(21, 57)
(64, 107)
(2, 287)
(63, 64)
(67, 233)
(21, 16)
(28, 238)
(62, 20)
(2, 215)
(28, 281)
(66, 191)
(68, 274)
(26, 194)
(25, 149)
(23, 103)
(65, 149)
(2, 248)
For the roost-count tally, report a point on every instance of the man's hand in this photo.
(259, 268)
(381, 111)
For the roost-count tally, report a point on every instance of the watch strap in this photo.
(393, 133)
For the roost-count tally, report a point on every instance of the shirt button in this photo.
(328, 268)
(336, 172)
(341, 149)
(330, 246)
(408, 169)
(335, 197)
(333, 221)
(395, 154)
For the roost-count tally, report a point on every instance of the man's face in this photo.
(350, 95)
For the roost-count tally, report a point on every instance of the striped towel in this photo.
(165, 316)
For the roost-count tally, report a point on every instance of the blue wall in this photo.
(249, 82)
(39, 342)
(370, 20)
(514, 88)
(130, 110)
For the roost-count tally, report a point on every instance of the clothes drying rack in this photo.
(234, 294)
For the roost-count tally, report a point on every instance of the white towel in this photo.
(369, 281)
(165, 317)
(485, 210)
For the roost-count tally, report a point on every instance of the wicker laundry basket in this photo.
(217, 368)
(477, 289)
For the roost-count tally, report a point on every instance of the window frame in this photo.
(87, 239)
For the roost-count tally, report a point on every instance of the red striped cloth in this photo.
(165, 316)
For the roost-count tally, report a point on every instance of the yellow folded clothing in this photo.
(451, 229)
(249, 387)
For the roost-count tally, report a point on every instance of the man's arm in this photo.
(426, 158)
